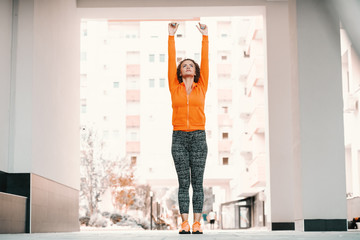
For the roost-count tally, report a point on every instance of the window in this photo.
(133, 160)
(162, 57)
(225, 135)
(223, 56)
(83, 105)
(151, 83)
(124, 29)
(151, 57)
(180, 55)
(224, 29)
(133, 57)
(133, 82)
(225, 161)
(116, 84)
(83, 56)
(180, 33)
(197, 57)
(225, 109)
(162, 82)
(83, 108)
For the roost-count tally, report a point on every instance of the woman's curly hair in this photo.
(197, 71)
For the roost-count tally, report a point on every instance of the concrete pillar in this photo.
(41, 112)
(44, 121)
(280, 116)
(305, 109)
(322, 154)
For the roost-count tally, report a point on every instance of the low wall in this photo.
(12, 213)
(30, 203)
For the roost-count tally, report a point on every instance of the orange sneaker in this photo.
(185, 228)
(196, 228)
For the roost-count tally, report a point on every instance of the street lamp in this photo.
(151, 200)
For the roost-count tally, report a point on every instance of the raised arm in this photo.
(172, 56)
(204, 67)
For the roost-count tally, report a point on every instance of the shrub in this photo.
(84, 220)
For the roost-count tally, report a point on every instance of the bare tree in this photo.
(97, 174)
(93, 168)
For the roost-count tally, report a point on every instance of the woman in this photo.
(188, 84)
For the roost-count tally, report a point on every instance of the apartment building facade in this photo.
(125, 96)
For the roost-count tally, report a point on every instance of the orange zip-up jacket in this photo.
(188, 110)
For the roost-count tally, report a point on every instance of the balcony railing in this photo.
(245, 144)
(257, 121)
(224, 120)
(255, 33)
(132, 95)
(224, 95)
(133, 147)
(133, 121)
(225, 146)
(224, 69)
(133, 69)
(256, 75)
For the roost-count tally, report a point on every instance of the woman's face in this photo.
(187, 69)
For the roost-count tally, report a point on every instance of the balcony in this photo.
(224, 69)
(257, 172)
(133, 121)
(255, 33)
(132, 147)
(245, 108)
(257, 121)
(245, 146)
(132, 95)
(224, 120)
(225, 146)
(255, 77)
(224, 95)
(132, 69)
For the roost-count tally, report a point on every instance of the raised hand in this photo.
(173, 26)
(203, 29)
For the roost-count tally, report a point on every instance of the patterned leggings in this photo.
(189, 150)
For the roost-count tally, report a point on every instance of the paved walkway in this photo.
(172, 235)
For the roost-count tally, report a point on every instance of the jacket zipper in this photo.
(188, 111)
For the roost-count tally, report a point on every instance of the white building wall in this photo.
(5, 80)
(44, 128)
